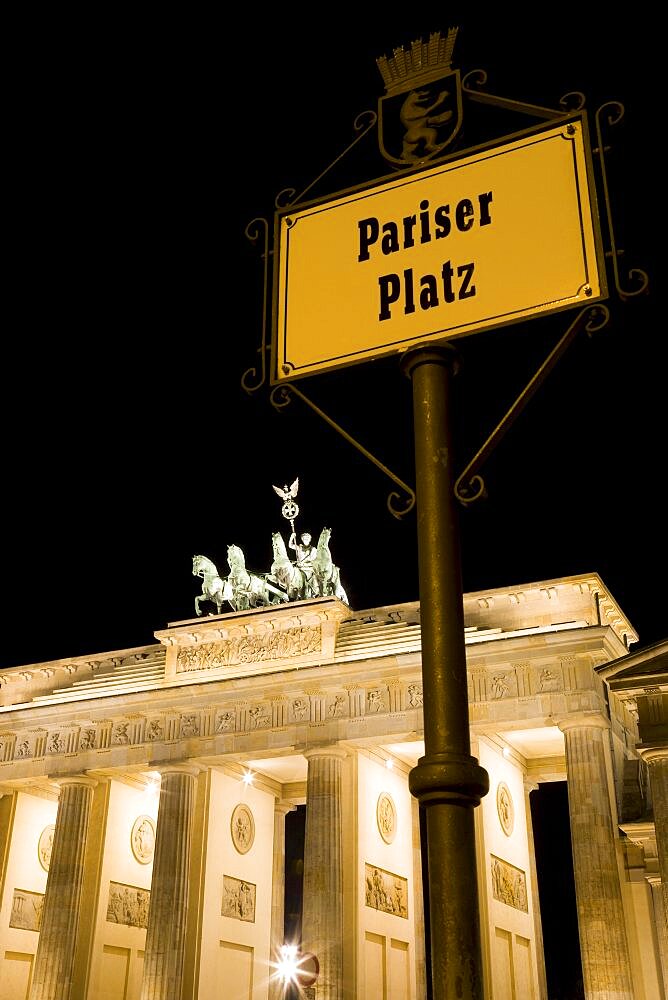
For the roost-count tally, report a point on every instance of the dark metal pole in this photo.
(448, 782)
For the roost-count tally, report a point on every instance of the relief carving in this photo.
(337, 707)
(251, 649)
(385, 891)
(386, 817)
(26, 914)
(120, 733)
(45, 846)
(415, 697)
(24, 749)
(242, 826)
(548, 680)
(155, 730)
(375, 700)
(142, 839)
(300, 708)
(500, 686)
(87, 739)
(189, 725)
(505, 808)
(56, 743)
(225, 722)
(128, 905)
(509, 884)
(259, 716)
(238, 899)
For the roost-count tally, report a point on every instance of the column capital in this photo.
(653, 753)
(191, 768)
(283, 808)
(583, 720)
(326, 751)
(75, 779)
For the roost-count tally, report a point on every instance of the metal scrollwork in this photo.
(255, 229)
(614, 112)
(364, 122)
(574, 100)
(478, 77)
(470, 486)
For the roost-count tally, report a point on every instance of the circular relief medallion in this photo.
(505, 808)
(142, 839)
(242, 826)
(45, 846)
(386, 817)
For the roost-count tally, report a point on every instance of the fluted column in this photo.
(166, 932)
(661, 923)
(530, 786)
(656, 759)
(603, 946)
(322, 918)
(281, 809)
(56, 948)
(418, 904)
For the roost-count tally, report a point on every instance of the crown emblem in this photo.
(424, 61)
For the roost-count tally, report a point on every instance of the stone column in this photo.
(661, 923)
(603, 945)
(54, 961)
(281, 809)
(418, 904)
(530, 786)
(166, 932)
(322, 915)
(656, 759)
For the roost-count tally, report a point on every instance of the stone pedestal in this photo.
(166, 932)
(322, 919)
(54, 961)
(604, 950)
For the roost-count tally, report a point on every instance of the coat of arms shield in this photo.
(415, 125)
(421, 112)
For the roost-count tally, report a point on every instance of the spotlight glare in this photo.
(287, 964)
(248, 778)
(389, 764)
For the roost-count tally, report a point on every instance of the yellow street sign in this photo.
(482, 241)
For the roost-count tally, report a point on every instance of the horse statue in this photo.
(248, 589)
(323, 580)
(326, 573)
(297, 583)
(214, 588)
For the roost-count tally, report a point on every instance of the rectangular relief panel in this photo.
(509, 884)
(27, 909)
(128, 904)
(385, 891)
(238, 899)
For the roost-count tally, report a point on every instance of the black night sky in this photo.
(137, 158)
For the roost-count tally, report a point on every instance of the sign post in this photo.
(448, 782)
(404, 267)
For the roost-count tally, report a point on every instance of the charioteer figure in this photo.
(304, 551)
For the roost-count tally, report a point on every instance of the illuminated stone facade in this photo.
(137, 863)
